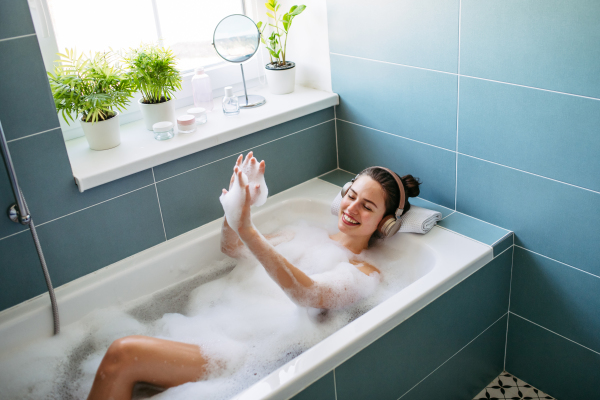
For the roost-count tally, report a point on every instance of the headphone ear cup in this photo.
(389, 225)
(345, 189)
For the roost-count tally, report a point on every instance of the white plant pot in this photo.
(153, 113)
(102, 135)
(281, 81)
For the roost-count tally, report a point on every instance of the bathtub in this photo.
(440, 258)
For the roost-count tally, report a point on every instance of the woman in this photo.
(368, 202)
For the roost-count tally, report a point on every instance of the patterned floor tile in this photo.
(508, 387)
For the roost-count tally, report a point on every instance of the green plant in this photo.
(277, 51)
(89, 85)
(153, 71)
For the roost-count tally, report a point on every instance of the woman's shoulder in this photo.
(364, 267)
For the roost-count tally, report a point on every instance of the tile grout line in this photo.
(504, 251)
(457, 111)
(14, 234)
(512, 265)
(439, 205)
(489, 223)
(337, 152)
(94, 205)
(447, 215)
(557, 334)
(504, 237)
(243, 151)
(560, 262)
(467, 76)
(334, 385)
(530, 173)
(159, 208)
(33, 134)
(393, 134)
(442, 364)
(17, 37)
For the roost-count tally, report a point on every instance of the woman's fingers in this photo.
(224, 191)
(261, 167)
(239, 160)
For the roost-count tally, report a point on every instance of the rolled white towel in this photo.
(416, 220)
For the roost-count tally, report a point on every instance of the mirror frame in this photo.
(258, 39)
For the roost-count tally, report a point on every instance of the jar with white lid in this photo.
(199, 113)
(163, 130)
(186, 123)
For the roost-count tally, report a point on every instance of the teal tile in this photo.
(46, 179)
(338, 177)
(410, 102)
(7, 199)
(21, 276)
(323, 389)
(419, 202)
(557, 297)
(408, 353)
(26, 103)
(469, 371)
(549, 44)
(550, 363)
(541, 212)
(192, 199)
(88, 240)
(503, 244)
(235, 147)
(15, 19)
(360, 147)
(473, 228)
(549, 134)
(421, 33)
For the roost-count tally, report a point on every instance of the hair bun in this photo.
(411, 185)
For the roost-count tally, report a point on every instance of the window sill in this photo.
(139, 151)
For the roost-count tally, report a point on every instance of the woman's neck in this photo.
(353, 243)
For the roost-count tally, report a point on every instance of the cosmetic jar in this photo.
(163, 130)
(186, 123)
(199, 113)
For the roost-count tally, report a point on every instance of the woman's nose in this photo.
(353, 207)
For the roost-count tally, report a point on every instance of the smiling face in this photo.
(362, 208)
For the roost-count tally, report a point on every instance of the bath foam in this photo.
(242, 320)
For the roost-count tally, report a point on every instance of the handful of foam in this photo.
(233, 201)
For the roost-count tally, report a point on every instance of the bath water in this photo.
(238, 316)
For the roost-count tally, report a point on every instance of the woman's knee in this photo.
(121, 355)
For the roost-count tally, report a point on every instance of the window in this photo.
(186, 26)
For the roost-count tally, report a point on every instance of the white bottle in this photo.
(231, 105)
(202, 90)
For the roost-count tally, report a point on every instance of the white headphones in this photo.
(390, 224)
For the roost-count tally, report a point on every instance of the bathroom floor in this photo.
(506, 386)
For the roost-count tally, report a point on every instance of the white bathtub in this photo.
(449, 258)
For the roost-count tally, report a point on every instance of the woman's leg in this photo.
(134, 359)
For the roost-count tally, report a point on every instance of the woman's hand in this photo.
(255, 172)
(236, 203)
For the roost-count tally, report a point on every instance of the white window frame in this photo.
(221, 74)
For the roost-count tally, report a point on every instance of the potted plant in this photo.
(94, 88)
(281, 73)
(153, 71)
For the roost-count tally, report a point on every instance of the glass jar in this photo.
(199, 113)
(231, 105)
(186, 123)
(163, 130)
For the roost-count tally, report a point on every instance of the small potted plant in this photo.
(94, 88)
(281, 73)
(153, 71)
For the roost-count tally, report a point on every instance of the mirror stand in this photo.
(249, 100)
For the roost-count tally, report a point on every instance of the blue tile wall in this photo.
(549, 44)
(526, 138)
(473, 228)
(400, 359)
(566, 370)
(545, 133)
(15, 19)
(410, 102)
(559, 298)
(361, 147)
(422, 33)
(323, 389)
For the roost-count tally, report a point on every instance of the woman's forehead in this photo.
(368, 187)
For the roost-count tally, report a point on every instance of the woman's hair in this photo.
(391, 190)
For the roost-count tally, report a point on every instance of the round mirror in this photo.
(236, 38)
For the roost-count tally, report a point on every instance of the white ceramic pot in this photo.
(102, 135)
(153, 113)
(281, 81)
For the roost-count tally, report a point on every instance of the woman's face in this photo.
(362, 208)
